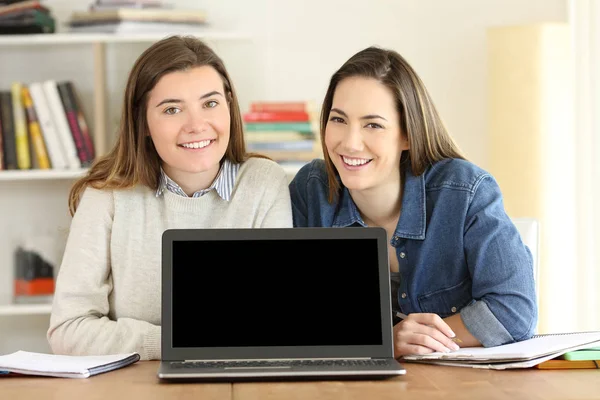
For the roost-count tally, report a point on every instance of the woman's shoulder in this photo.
(314, 171)
(259, 165)
(455, 172)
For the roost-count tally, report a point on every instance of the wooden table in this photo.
(421, 382)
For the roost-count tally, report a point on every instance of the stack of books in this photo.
(43, 126)
(283, 131)
(25, 17)
(136, 16)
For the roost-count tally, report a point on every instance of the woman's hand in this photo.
(422, 333)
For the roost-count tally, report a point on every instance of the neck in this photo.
(379, 206)
(190, 183)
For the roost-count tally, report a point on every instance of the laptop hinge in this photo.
(280, 359)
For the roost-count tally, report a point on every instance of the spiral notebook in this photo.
(27, 363)
(524, 354)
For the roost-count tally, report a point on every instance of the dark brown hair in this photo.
(134, 160)
(428, 139)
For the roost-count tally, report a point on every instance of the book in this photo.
(35, 133)
(566, 364)
(587, 354)
(280, 106)
(134, 27)
(59, 117)
(305, 127)
(20, 126)
(54, 147)
(69, 107)
(8, 130)
(523, 354)
(28, 363)
(276, 116)
(140, 14)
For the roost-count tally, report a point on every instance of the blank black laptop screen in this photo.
(276, 293)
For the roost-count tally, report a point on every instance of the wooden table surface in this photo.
(139, 381)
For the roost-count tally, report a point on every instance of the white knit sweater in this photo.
(108, 289)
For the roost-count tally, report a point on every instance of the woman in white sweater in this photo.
(179, 162)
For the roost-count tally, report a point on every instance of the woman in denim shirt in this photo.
(457, 262)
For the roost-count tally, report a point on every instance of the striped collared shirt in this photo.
(223, 183)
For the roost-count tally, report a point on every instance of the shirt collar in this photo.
(412, 218)
(223, 183)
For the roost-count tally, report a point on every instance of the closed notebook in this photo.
(590, 353)
(524, 354)
(27, 363)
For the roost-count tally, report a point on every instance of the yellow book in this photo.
(20, 124)
(35, 132)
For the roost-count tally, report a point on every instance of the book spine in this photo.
(81, 121)
(20, 123)
(1, 143)
(73, 125)
(62, 125)
(280, 126)
(276, 116)
(292, 106)
(10, 148)
(39, 147)
(53, 146)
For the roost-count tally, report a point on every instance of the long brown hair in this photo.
(134, 160)
(428, 139)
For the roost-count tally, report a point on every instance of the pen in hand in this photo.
(404, 316)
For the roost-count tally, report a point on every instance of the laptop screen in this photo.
(275, 292)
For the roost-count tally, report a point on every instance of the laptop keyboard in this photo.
(279, 363)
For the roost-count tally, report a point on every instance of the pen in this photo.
(404, 316)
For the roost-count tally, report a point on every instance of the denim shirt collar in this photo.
(412, 218)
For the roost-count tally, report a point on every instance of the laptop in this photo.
(276, 304)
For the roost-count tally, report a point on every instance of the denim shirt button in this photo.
(403, 295)
(453, 309)
(402, 254)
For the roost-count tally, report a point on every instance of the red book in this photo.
(278, 106)
(276, 116)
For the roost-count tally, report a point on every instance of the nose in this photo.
(353, 140)
(196, 122)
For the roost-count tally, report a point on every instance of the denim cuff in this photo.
(481, 323)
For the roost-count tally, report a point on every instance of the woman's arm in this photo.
(80, 323)
(501, 266)
(279, 214)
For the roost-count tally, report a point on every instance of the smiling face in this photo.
(189, 123)
(363, 136)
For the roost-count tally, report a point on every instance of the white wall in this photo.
(298, 45)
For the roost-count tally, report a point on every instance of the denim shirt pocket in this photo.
(448, 301)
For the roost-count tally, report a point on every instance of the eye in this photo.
(373, 125)
(337, 119)
(211, 104)
(172, 111)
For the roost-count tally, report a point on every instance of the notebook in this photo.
(289, 303)
(524, 354)
(24, 362)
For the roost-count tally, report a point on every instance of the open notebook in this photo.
(524, 354)
(24, 362)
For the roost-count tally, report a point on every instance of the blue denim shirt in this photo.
(457, 249)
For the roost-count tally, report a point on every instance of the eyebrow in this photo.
(369, 116)
(209, 94)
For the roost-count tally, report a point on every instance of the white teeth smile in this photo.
(196, 145)
(355, 161)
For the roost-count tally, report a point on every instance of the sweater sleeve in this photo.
(279, 214)
(80, 322)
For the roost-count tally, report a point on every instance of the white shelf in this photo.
(25, 309)
(40, 174)
(87, 38)
(290, 170)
